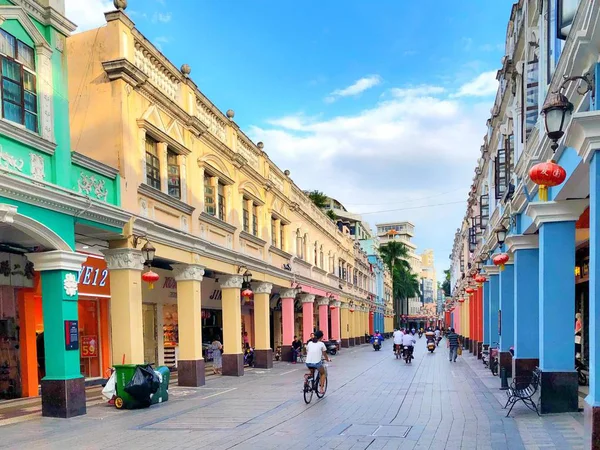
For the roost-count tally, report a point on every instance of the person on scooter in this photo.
(408, 342)
(398, 341)
(438, 336)
(376, 340)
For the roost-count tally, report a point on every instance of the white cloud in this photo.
(484, 85)
(158, 41)
(356, 88)
(415, 149)
(88, 14)
(161, 17)
(416, 91)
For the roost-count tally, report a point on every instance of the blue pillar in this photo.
(486, 313)
(557, 295)
(556, 223)
(526, 302)
(494, 307)
(507, 318)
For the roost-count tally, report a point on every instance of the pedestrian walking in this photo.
(217, 349)
(453, 344)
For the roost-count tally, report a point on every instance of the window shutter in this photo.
(484, 211)
(501, 173)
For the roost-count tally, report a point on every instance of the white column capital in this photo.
(124, 258)
(561, 211)
(288, 293)
(336, 304)
(262, 288)
(7, 213)
(583, 134)
(56, 260)
(344, 305)
(491, 270)
(188, 272)
(306, 298)
(521, 242)
(323, 301)
(230, 281)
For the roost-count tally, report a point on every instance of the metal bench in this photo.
(517, 392)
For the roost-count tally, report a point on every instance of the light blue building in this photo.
(546, 108)
(370, 246)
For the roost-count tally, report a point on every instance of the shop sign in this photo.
(71, 335)
(15, 270)
(89, 346)
(94, 278)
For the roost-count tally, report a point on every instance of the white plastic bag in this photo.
(110, 389)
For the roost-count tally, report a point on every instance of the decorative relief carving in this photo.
(158, 74)
(70, 285)
(188, 272)
(288, 293)
(37, 166)
(215, 125)
(143, 207)
(230, 281)
(202, 232)
(124, 258)
(184, 223)
(229, 241)
(92, 187)
(46, 105)
(246, 151)
(8, 161)
(323, 301)
(276, 180)
(307, 298)
(262, 288)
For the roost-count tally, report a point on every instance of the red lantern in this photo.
(246, 294)
(480, 279)
(547, 174)
(470, 290)
(351, 309)
(500, 260)
(461, 300)
(332, 307)
(150, 278)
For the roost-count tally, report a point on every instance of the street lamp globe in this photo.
(148, 252)
(557, 112)
(501, 234)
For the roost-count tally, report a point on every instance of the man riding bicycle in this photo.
(316, 352)
(398, 341)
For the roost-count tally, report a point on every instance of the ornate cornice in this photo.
(165, 199)
(262, 288)
(188, 272)
(561, 211)
(93, 165)
(288, 293)
(521, 242)
(122, 69)
(230, 281)
(124, 259)
(491, 270)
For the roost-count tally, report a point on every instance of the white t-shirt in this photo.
(408, 339)
(314, 352)
(398, 337)
(437, 333)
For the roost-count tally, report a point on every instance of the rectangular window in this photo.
(19, 92)
(152, 163)
(255, 220)
(281, 235)
(501, 173)
(273, 232)
(484, 211)
(174, 180)
(246, 216)
(209, 197)
(566, 10)
(531, 101)
(221, 196)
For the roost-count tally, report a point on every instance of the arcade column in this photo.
(233, 357)
(63, 387)
(308, 313)
(556, 223)
(288, 297)
(323, 303)
(507, 316)
(335, 320)
(344, 325)
(263, 353)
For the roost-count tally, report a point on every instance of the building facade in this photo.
(53, 202)
(532, 214)
(219, 213)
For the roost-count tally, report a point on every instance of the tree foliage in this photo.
(331, 215)
(446, 283)
(319, 199)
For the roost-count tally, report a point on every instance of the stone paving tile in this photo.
(373, 399)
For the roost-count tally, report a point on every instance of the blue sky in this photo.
(381, 104)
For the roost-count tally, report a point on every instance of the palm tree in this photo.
(394, 253)
(405, 285)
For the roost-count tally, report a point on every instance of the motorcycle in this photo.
(376, 341)
(408, 356)
(431, 345)
(581, 375)
(331, 347)
(420, 334)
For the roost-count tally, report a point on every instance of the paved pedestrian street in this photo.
(374, 401)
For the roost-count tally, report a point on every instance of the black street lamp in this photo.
(148, 252)
(501, 234)
(557, 109)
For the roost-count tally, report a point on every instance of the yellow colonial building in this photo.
(220, 214)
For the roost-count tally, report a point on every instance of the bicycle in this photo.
(312, 384)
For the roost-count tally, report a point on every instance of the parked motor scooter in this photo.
(331, 347)
(430, 336)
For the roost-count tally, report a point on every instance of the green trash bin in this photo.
(162, 395)
(124, 374)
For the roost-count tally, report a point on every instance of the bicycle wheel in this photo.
(308, 392)
(317, 385)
